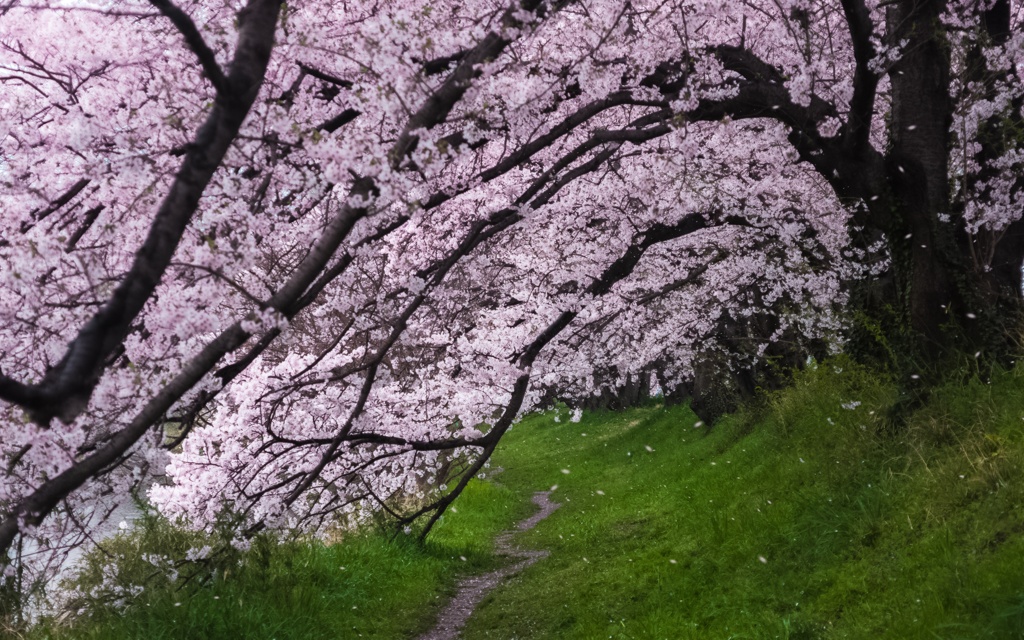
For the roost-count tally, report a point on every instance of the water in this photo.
(51, 567)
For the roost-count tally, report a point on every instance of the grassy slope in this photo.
(366, 587)
(914, 535)
(802, 524)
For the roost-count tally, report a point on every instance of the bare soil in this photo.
(472, 590)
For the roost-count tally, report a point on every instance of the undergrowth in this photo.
(365, 586)
(811, 515)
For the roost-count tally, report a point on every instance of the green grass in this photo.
(806, 520)
(369, 586)
(801, 519)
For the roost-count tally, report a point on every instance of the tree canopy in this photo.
(327, 253)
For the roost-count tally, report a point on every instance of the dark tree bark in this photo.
(954, 290)
(925, 261)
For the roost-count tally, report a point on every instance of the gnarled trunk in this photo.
(953, 297)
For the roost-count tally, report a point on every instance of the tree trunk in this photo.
(951, 299)
(924, 260)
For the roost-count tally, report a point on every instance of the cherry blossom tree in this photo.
(328, 253)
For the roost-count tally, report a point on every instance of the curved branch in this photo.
(857, 129)
(615, 272)
(65, 389)
(195, 42)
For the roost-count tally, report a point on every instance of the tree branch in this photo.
(66, 388)
(857, 128)
(195, 42)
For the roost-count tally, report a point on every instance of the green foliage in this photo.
(810, 518)
(365, 586)
(807, 516)
(868, 337)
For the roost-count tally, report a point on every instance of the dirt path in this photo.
(472, 590)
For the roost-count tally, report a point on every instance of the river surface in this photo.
(122, 518)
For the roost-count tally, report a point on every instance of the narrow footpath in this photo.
(473, 589)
